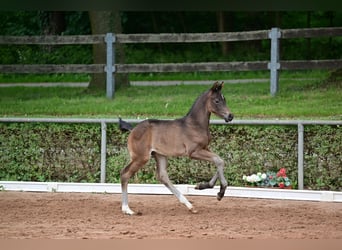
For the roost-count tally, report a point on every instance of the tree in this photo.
(53, 22)
(221, 28)
(103, 22)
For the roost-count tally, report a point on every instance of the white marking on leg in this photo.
(124, 200)
(126, 210)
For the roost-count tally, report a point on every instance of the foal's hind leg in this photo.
(126, 174)
(163, 177)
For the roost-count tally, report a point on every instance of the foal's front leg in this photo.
(210, 184)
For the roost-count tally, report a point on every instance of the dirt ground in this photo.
(28, 215)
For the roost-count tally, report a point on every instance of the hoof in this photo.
(193, 211)
(219, 196)
(128, 213)
(126, 210)
(133, 214)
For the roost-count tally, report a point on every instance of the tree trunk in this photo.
(308, 40)
(221, 28)
(156, 30)
(57, 22)
(103, 22)
(182, 21)
(277, 19)
(53, 22)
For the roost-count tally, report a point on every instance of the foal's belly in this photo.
(169, 146)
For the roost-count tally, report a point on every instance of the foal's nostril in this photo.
(229, 117)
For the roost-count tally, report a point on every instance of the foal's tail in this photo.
(124, 126)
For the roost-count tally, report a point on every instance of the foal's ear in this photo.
(217, 87)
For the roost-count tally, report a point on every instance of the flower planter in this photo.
(269, 179)
(288, 187)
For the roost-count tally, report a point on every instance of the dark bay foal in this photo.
(187, 136)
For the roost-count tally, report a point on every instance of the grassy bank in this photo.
(306, 99)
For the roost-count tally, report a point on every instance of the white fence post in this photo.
(300, 156)
(274, 65)
(110, 65)
(103, 151)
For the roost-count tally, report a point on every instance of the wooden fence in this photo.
(274, 65)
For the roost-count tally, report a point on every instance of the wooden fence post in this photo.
(110, 65)
(274, 65)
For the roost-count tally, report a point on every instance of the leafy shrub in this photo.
(50, 152)
(323, 157)
(71, 153)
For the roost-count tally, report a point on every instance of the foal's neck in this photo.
(198, 114)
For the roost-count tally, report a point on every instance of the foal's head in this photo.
(217, 103)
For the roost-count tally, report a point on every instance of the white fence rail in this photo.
(299, 123)
(244, 192)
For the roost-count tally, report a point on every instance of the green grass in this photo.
(309, 99)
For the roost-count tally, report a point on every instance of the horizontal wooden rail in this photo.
(311, 64)
(53, 40)
(311, 32)
(192, 37)
(173, 37)
(52, 68)
(190, 67)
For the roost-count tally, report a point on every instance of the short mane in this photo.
(195, 104)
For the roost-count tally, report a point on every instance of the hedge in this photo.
(71, 153)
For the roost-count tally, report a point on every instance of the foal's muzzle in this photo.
(229, 117)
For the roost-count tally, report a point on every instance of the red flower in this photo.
(281, 172)
(281, 185)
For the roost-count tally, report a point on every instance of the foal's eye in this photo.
(217, 101)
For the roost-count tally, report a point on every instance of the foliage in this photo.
(46, 152)
(71, 153)
(17, 24)
(324, 152)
